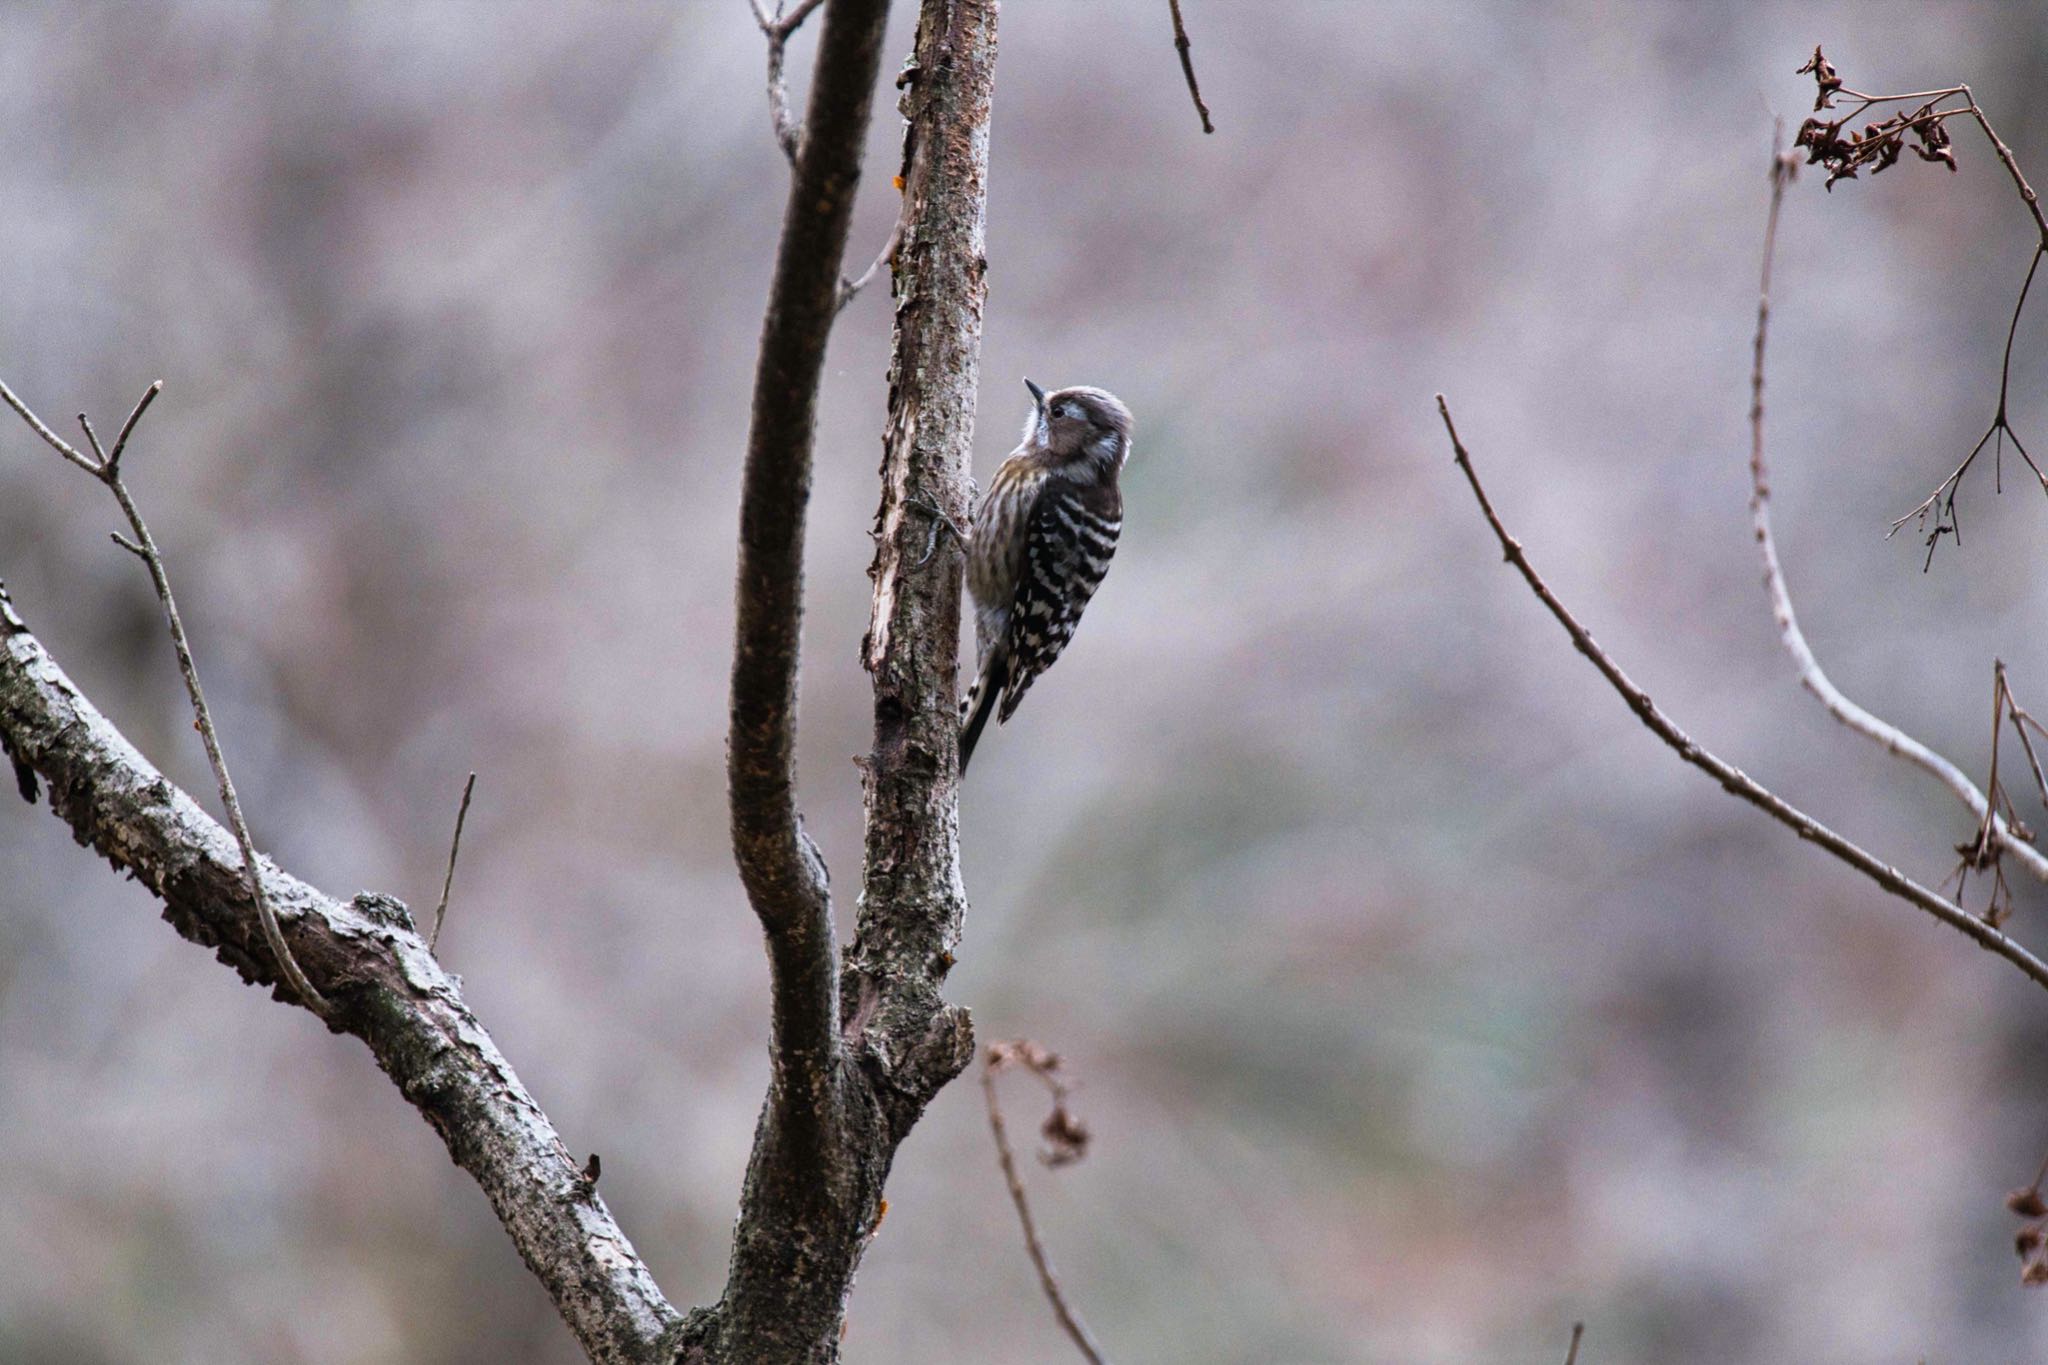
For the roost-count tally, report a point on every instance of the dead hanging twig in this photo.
(1571, 1355)
(105, 465)
(1732, 779)
(1066, 1140)
(1187, 65)
(1922, 116)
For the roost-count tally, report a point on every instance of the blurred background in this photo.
(1420, 1002)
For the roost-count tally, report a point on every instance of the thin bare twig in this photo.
(1732, 779)
(105, 467)
(1187, 65)
(454, 847)
(1571, 1356)
(56, 442)
(1811, 676)
(848, 288)
(2021, 722)
(994, 1059)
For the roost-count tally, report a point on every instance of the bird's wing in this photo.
(1069, 540)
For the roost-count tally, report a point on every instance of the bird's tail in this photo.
(979, 706)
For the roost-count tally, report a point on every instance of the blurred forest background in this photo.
(1421, 1002)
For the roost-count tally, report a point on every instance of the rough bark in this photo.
(369, 961)
(912, 898)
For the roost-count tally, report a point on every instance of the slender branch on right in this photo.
(1732, 779)
(1187, 65)
(1998, 836)
(1067, 1139)
(1571, 1355)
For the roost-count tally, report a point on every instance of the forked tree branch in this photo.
(1811, 676)
(847, 1085)
(778, 28)
(376, 971)
(1732, 779)
(804, 1227)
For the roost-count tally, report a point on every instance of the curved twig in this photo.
(1811, 676)
(1732, 779)
(1048, 1278)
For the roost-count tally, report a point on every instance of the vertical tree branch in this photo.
(798, 1182)
(783, 874)
(454, 850)
(912, 897)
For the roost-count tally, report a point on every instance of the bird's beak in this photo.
(1037, 394)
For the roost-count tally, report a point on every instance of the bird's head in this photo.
(1081, 425)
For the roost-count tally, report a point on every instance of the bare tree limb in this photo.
(1571, 1355)
(1733, 780)
(376, 970)
(994, 1060)
(55, 442)
(1187, 65)
(107, 469)
(448, 882)
(1811, 676)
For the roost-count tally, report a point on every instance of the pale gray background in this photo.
(1421, 1001)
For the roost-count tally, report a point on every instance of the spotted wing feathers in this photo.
(1070, 538)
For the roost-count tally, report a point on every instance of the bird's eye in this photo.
(1066, 410)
